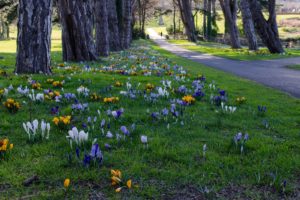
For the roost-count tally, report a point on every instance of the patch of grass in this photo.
(296, 67)
(173, 159)
(168, 19)
(225, 51)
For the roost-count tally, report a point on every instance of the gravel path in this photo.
(272, 73)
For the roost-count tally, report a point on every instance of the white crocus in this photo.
(204, 150)
(109, 135)
(144, 139)
(163, 92)
(35, 125)
(40, 97)
(32, 129)
(79, 137)
(45, 128)
(22, 91)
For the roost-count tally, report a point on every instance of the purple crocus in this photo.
(55, 110)
(87, 160)
(77, 152)
(155, 115)
(165, 112)
(107, 146)
(182, 89)
(96, 153)
(102, 123)
(118, 113)
(124, 130)
(222, 92)
(198, 93)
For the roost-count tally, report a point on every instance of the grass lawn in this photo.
(173, 164)
(226, 52)
(296, 67)
(285, 31)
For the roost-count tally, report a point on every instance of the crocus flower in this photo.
(155, 115)
(125, 131)
(77, 137)
(102, 123)
(55, 110)
(67, 183)
(222, 92)
(96, 153)
(165, 112)
(144, 139)
(87, 160)
(109, 134)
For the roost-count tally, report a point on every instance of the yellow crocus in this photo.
(129, 183)
(55, 121)
(67, 183)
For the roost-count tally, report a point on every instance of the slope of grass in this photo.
(240, 54)
(172, 165)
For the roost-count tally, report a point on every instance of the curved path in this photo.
(272, 73)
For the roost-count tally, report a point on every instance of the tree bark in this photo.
(188, 19)
(205, 18)
(127, 19)
(267, 29)
(101, 25)
(114, 36)
(209, 19)
(229, 8)
(77, 26)
(34, 36)
(248, 25)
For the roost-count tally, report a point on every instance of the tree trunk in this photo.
(127, 18)
(209, 19)
(114, 36)
(188, 19)
(101, 25)
(229, 8)
(204, 18)
(7, 31)
(34, 36)
(174, 20)
(267, 29)
(248, 25)
(77, 26)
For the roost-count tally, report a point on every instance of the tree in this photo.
(266, 28)
(34, 36)
(101, 26)
(77, 26)
(114, 35)
(142, 8)
(126, 24)
(8, 13)
(187, 19)
(229, 8)
(248, 25)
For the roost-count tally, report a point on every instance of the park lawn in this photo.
(172, 164)
(225, 51)
(284, 31)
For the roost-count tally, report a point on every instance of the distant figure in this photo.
(161, 34)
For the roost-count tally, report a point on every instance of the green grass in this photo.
(226, 52)
(283, 33)
(296, 67)
(173, 161)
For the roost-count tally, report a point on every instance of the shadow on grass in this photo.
(8, 60)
